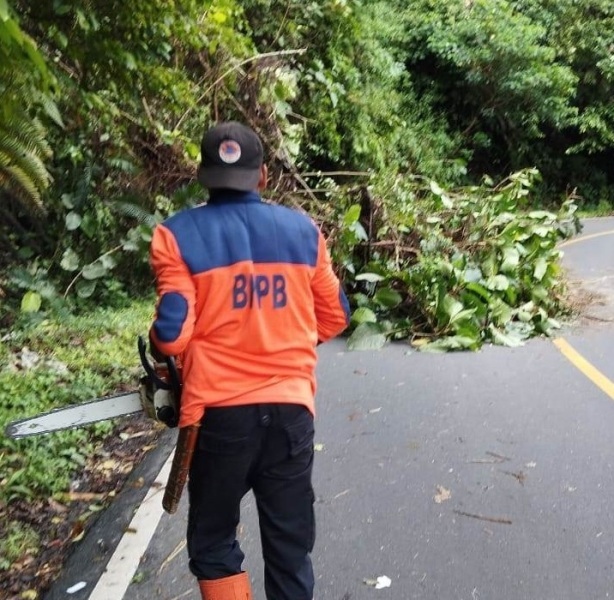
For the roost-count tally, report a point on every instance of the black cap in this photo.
(231, 157)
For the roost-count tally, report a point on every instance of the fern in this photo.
(134, 211)
(23, 144)
(22, 171)
(29, 162)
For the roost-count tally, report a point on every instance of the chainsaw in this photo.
(158, 397)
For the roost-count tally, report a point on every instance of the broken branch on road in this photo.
(500, 520)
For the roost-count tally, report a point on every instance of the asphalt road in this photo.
(466, 476)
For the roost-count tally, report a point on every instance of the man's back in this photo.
(258, 294)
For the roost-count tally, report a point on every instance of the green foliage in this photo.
(488, 67)
(23, 147)
(582, 37)
(18, 539)
(463, 266)
(447, 91)
(77, 358)
(24, 81)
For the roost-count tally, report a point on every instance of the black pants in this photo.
(267, 448)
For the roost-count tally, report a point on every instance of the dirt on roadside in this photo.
(61, 522)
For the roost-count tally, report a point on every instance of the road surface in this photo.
(465, 476)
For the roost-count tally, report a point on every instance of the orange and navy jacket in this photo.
(246, 291)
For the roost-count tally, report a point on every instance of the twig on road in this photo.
(171, 556)
(520, 476)
(500, 520)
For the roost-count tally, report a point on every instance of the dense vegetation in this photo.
(104, 104)
(443, 151)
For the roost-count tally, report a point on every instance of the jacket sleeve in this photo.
(331, 305)
(175, 314)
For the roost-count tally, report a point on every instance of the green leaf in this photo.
(445, 200)
(541, 266)
(192, 150)
(219, 17)
(130, 61)
(51, 110)
(501, 312)
(509, 339)
(435, 188)
(511, 258)
(360, 299)
(94, 270)
(4, 10)
(542, 231)
(462, 315)
(455, 310)
(363, 315)
(542, 214)
(352, 215)
(108, 261)
(489, 265)
(73, 221)
(370, 277)
(498, 283)
(359, 231)
(387, 297)
(70, 260)
(68, 200)
(367, 336)
(85, 288)
(454, 342)
(472, 275)
(479, 290)
(31, 302)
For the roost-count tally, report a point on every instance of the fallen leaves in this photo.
(442, 494)
(56, 506)
(77, 532)
(62, 521)
(84, 496)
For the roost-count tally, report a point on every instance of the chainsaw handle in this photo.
(173, 383)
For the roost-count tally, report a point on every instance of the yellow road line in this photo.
(578, 361)
(585, 238)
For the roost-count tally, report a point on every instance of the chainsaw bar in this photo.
(68, 417)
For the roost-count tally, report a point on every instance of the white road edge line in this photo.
(122, 566)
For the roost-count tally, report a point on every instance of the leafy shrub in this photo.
(461, 267)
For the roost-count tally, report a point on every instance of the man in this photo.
(245, 293)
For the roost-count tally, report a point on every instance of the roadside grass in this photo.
(45, 366)
(603, 209)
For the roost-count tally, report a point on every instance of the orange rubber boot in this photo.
(235, 587)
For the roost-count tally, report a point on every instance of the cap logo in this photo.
(230, 151)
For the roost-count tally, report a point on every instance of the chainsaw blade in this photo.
(68, 417)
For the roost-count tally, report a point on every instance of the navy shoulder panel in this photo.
(220, 235)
